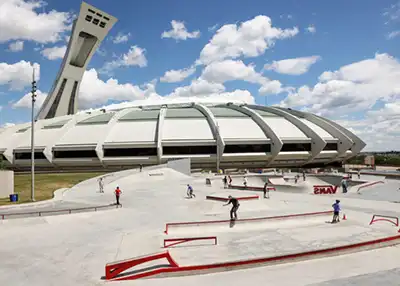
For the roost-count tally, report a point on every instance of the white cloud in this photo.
(179, 32)
(16, 46)
(380, 129)
(177, 75)
(18, 75)
(7, 124)
(134, 57)
(213, 28)
(54, 53)
(296, 66)
(393, 34)
(249, 39)
(94, 91)
(26, 100)
(392, 13)
(21, 20)
(121, 38)
(230, 70)
(198, 87)
(311, 29)
(353, 88)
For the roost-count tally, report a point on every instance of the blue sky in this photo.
(355, 44)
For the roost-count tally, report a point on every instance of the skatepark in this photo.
(161, 237)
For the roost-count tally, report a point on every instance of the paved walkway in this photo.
(73, 249)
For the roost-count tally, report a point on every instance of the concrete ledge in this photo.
(173, 271)
(57, 212)
(368, 184)
(222, 199)
(259, 219)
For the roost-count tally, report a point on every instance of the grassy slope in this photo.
(45, 185)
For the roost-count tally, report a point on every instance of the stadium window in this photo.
(91, 11)
(95, 21)
(28, 156)
(130, 152)
(251, 148)
(74, 154)
(108, 19)
(102, 24)
(88, 18)
(189, 150)
(296, 147)
(98, 14)
(331, 147)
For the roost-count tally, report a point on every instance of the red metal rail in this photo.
(265, 261)
(385, 218)
(215, 198)
(250, 188)
(116, 268)
(167, 225)
(186, 239)
(66, 211)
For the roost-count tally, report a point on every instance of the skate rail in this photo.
(187, 239)
(114, 269)
(175, 224)
(176, 270)
(384, 218)
(250, 188)
(55, 212)
(365, 185)
(222, 199)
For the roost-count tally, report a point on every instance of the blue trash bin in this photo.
(13, 197)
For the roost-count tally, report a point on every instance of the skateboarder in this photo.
(235, 206)
(266, 191)
(190, 193)
(336, 210)
(117, 194)
(230, 180)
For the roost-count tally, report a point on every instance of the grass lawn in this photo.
(45, 185)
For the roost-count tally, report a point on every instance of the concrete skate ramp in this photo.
(263, 222)
(115, 271)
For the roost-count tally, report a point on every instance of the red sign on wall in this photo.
(323, 190)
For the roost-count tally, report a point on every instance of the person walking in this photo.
(117, 194)
(141, 167)
(225, 180)
(189, 192)
(229, 180)
(336, 211)
(304, 175)
(265, 190)
(235, 207)
(245, 181)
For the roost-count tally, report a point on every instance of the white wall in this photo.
(6, 183)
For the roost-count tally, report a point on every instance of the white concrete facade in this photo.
(212, 135)
(89, 30)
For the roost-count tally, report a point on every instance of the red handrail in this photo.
(385, 218)
(115, 268)
(186, 239)
(167, 225)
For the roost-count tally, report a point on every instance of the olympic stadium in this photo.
(212, 135)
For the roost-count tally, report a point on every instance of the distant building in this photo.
(369, 160)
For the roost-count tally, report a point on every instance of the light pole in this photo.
(33, 137)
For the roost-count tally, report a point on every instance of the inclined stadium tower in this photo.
(212, 135)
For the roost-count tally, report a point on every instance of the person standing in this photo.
(304, 175)
(101, 185)
(336, 211)
(359, 174)
(265, 190)
(235, 207)
(141, 167)
(189, 192)
(245, 181)
(117, 194)
(230, 180)
(225, 180)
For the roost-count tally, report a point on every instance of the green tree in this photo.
(2, 164)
